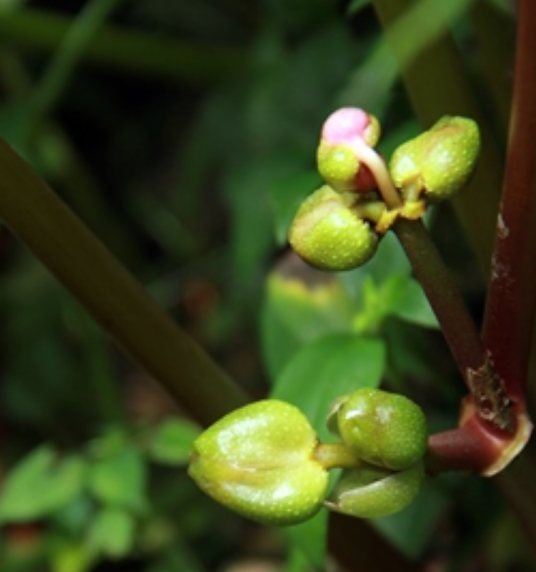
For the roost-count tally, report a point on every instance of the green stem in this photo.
(57, 74)
(335, 455)
(111, 295)
(125, 50)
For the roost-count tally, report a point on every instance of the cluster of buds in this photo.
(339, 226)
(265, 462)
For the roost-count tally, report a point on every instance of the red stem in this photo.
(511, 301)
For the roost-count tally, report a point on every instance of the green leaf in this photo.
(328, 368)
(301, 304)
(112, 533)
(356, 6)
(119, 480)
(39, 485)
(320, 372)
(287, 194)
(413, 306)
(171, 442)
(410, 529)
(398, 295)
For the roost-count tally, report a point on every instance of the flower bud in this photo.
(381, 428)
(328, 234)
(439, 161)
(349, 123)
(258, 461)
(373, 492)
(339, 167)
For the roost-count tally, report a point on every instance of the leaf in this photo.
(119, 480)
(413, 306)
(112, 533)
(287, 194)
(356, 6)
(323, 370)
(301, 304)
(171, 442)
(327, 368)
(410, 529)
(39, 485)
(399, 296)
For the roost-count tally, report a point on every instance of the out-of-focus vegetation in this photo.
(184, 135)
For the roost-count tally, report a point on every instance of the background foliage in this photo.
(184, 135)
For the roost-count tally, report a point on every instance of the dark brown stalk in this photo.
(111, 294)
(511, 302)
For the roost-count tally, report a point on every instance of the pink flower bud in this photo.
(348, 124)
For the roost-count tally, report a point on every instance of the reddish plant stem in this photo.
(511, 302)
(457, 325)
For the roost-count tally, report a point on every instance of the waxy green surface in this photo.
(327, 234)
(382, 428)
(440, 160)
(258, 462)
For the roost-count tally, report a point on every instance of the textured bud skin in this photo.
(327, 234)
(373, 493)
(258, 462)
(441, 159)
(383, 428)
(339, 167)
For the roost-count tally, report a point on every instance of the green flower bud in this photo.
(382, 428)
(258, 461)
(339, 167)
(328, 234)
(373, 492)
(439, 161)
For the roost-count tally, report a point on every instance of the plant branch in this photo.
(437, 84)
(111, 295)
(126, 50)
(511, 302)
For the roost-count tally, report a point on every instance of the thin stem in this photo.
(57, 74)
(444, 296)
(511, 302)
(457, 325)
(125, 50)
(459, 329)
(367, 155)
(437, 83)
(335, 455)
(111, 295)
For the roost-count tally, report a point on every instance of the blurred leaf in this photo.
(111, 533)
(410, 529)
(323, 370)
(71, 556)
(310, 540)
(300, 305)
(357, 5)
(399, 296)
(327, 368)
(389, 259)
(410, 304)
(119, 480)
(287, 194)
(171, 442)
(39, 485)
